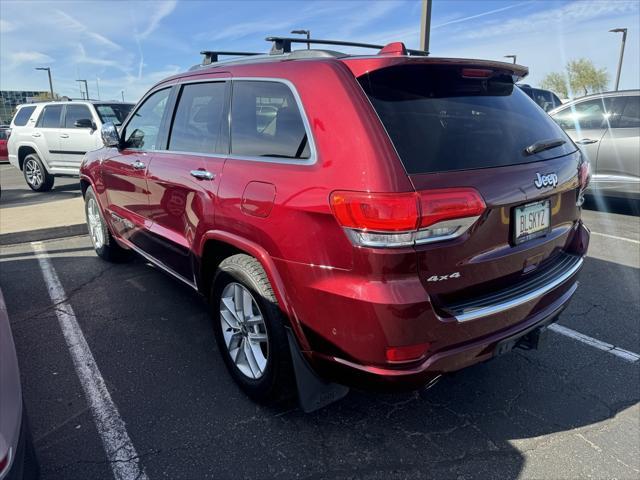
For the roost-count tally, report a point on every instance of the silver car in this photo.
(606, 127)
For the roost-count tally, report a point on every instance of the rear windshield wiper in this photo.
(543, 145)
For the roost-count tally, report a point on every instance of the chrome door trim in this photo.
(504, 306)
(158, 263)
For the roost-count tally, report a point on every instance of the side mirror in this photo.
(85, 123)
(110, 136)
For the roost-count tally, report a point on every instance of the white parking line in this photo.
(615, 237)
(123, 458)
(605, 347)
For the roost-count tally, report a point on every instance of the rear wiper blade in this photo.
(544, 145)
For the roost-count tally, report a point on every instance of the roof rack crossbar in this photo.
(211, 56)
(282, 45)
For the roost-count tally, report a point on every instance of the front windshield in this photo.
(113, 112)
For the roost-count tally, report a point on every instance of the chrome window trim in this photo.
(313, 155)
(504, 306)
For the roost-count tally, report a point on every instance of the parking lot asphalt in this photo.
(568, 410)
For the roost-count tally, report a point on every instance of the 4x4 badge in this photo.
(550, 180)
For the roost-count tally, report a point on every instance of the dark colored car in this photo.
(386, 220)
(5, 131)
(545, 98)
(17, 455)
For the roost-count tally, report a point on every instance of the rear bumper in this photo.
(375, 377)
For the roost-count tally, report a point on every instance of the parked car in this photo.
(49, 139)
(395, 220)
(606, 127)
(5, 131)
(545, 98)
(17, 455)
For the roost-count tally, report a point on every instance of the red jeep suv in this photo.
(370, 221)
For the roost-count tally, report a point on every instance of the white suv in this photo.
(50, 139)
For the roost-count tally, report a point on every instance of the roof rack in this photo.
(282, 45)
(211, 56)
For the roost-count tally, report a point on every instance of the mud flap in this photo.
(313, 392)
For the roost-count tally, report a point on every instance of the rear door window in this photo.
(75, 113)
(22, 116)
(630, 116)
(266, 121)
(439, 121)
(50, 117)
(198, 121)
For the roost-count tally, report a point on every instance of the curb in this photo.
(43, 234)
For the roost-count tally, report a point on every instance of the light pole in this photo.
(624, 39)
(122, 93)
(50, 83)
(511, 56)
(86, 87)
(303, 32)
(425, 25)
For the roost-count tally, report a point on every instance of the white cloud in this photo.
(451, 21)
(21, 57)
(158, 12)
(79, 27)
(578, 11)
(6, 27)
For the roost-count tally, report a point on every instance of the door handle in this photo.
(585, 141)
(138, 165)
(35, 135)
(202, 175)
(64, 135)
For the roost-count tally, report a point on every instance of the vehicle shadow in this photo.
(23, 196)
(153, 341)
(622, 206)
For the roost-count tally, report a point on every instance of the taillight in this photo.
(5, 461)
(403, 219)
(584, 174)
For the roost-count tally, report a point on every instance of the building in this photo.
(10, 99)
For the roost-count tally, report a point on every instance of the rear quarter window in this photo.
(439, 121)
(23, 115)
(266, 121)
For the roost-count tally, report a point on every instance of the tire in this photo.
(103, 242)
(275, 381)
(36, 176)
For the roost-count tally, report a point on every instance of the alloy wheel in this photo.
(33, 173)
(95, 224)
(244, 330)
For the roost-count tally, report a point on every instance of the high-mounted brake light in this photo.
(403, 219)
(476, 73)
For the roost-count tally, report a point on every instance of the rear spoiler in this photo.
(362, 65)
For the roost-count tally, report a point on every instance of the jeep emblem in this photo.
(550, 180)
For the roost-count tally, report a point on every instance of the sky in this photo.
(131, 45)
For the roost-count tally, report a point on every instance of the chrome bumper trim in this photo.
(479, 312)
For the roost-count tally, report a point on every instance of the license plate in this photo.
(531, 220)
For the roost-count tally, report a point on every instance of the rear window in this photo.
(115, 113)
(23, 115)
(3, 134)
(439, 121)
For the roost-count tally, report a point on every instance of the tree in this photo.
(581, 77)
(556, 82)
